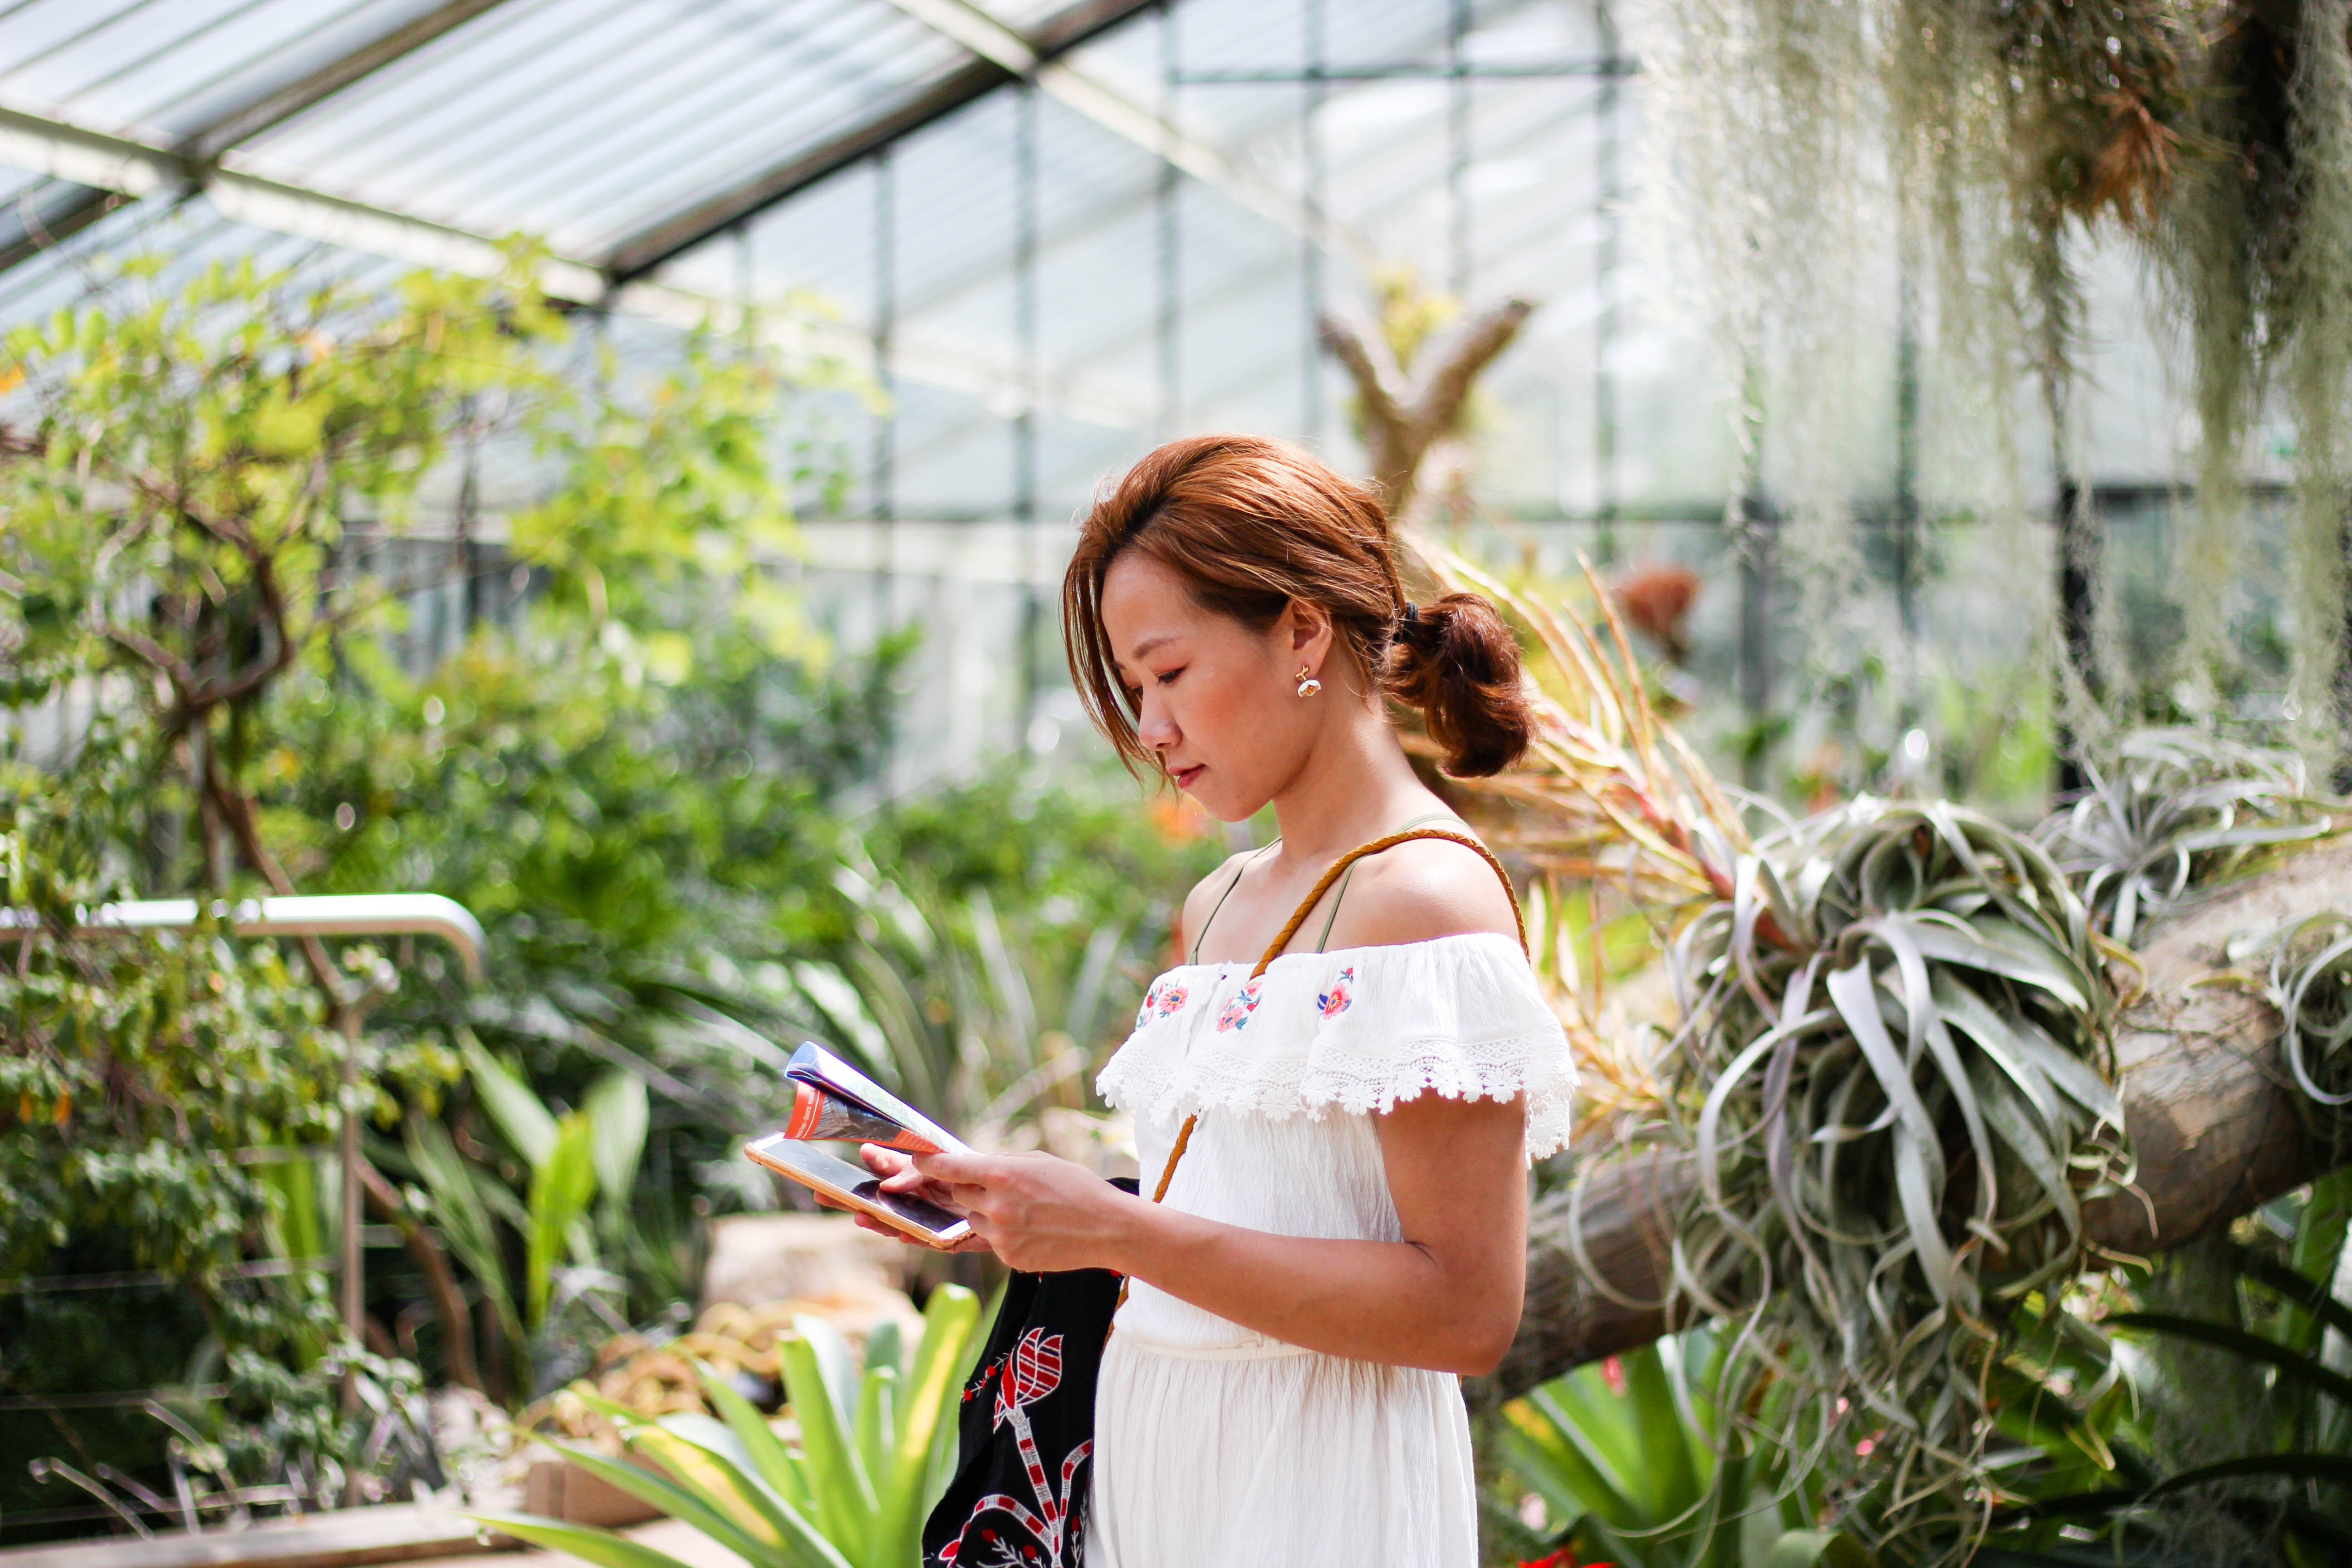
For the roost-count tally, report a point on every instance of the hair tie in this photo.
(1412, 612)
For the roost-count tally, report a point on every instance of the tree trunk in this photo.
(2217, 1125)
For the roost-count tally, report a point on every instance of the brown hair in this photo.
(1252, 524)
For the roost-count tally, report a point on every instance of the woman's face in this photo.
(1216, 701)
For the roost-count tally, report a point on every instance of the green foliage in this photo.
(989, 935)
(877, 1445)
(200, 495)
(1630, 1462)
(165, 1105)
(195, 467)
(2236, 1432)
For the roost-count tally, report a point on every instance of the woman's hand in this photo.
(898, 1176)
(1039, 1213)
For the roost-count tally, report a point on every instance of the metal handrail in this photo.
(343, 914)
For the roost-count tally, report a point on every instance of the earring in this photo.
(1307, 685)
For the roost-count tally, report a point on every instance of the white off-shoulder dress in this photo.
(1216, 1447)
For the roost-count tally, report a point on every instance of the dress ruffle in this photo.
(1355, 1030)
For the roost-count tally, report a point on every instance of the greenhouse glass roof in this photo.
(1055, 230)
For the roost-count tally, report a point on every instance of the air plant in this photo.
(2177, 808)
(1893, 1074)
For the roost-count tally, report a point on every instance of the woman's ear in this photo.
(1307, 627)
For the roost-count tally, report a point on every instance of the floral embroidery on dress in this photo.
(1237, 1011)
(1342, 996)
(1161, 1000)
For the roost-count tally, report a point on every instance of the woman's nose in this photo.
(1153, 726)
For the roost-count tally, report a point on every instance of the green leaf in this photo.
(560, 1192)
(1555, 1469)
(2253, 1347)
(1918, 1154)
(1599, 1423)
(1554, 1453)
(926, 1405)
(877, 1419)
(885, 1346)
(465, 1219)
(2329, 1469)
(601, 1547)
(1828, 1548)
(2319, 1240)
(616, 1108)
(520, 1118)
(835, 1359)
(678, 1502)
(845, 1504)
(750, 1506)
(769, 1458)
(2313, 1308)
(1667, 1468)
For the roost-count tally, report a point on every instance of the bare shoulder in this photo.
(1421, 890)
(1206, 893)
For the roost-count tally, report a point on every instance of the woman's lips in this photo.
(1184, 776)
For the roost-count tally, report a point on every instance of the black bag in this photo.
(1025, 1438)
(1026, 1431)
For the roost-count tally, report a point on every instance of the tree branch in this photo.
(2218, 1127)
(237, 813)
(449, 1300)
(1439, 407)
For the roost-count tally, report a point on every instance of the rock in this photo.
(759, 1259)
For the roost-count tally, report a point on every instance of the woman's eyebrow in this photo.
(1148, 644)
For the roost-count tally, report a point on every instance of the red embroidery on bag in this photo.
(1032, 1370)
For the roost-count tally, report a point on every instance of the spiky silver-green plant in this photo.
(1893, 1075)
(2177, 808)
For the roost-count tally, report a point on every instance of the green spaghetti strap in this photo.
(1194, 956)
(1332, 919)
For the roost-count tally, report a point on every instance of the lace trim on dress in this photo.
(1534, 1063)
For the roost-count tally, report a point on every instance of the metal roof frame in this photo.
(201, 149)
(1064, 31)
(121, 167)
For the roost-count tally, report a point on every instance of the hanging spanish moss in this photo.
(1995, 142)
(2257, 246)
(2318, 361)
(1773, 210)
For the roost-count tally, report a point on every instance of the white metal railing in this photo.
(347, 914)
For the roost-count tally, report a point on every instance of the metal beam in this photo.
(123, 167)
(982, 31)
(205, 144)
(335, 914)
(659, 241)
(275, 107)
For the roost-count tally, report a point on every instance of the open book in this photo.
(833, 1103)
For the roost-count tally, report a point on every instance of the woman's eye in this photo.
(1167, 677)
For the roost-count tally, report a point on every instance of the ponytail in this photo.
(1456, 661)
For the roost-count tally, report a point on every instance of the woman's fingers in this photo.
(954, 1170)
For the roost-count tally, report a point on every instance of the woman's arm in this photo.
(1447, 1296)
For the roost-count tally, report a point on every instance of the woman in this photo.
(1346, 1230)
